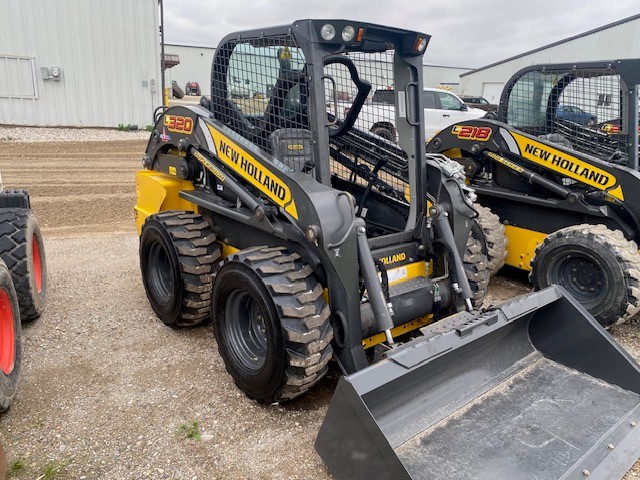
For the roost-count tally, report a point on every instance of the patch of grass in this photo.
(16, 467)
(8, 138)
(123, 128)
(149, 128)
(40, 423)
(190, 430)
(53, 470)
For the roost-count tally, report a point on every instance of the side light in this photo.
(421, 44)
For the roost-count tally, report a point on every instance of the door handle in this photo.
(446, 115)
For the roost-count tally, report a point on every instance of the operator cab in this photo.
(265, 88)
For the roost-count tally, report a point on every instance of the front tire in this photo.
(177, 252)
(271, 323)
(10, 339)
(598, 266)
(22, 250)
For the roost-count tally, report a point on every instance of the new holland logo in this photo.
(568, 166)
(241, 162)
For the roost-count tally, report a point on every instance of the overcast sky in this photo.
(464, 33)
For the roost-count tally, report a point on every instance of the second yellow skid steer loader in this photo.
(304, 239)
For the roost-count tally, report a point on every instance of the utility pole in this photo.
(162, 67)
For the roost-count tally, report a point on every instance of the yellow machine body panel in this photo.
(156, 192)
(522, 246)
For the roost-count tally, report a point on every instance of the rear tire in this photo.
(177, 252)
(598, 266)
(495, 237)
(384, 133)
(10, 339)
(271, 323)
(22, 250)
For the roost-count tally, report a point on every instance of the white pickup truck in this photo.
(442, 109)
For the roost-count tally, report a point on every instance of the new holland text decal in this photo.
(568, 165)
(468, 132)
(395, 258)
(241, 162)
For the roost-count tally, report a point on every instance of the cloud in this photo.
(468, 34)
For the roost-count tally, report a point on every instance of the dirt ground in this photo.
(106, 390)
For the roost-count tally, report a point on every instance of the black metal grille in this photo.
(583, 109)
(263, 94)
(369, 152)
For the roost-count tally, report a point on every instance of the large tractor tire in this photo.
(177, 91)
(177, 253)
(271, 323)
(597, 265)
(22, 250)
(495, 236)
(476, 265)
(10, 336)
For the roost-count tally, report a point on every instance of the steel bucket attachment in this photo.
(534, 389)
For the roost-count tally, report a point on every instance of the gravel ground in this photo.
(46, 134)
(105, 387)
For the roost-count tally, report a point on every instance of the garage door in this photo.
(492, 91)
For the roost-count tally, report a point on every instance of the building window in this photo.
(17, 77)
(604, 99)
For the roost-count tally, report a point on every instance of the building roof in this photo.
(176, 44)
(560, 42)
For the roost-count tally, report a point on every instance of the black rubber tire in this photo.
(476, 265)
(491, 115)
(495, 237)
(177, 253)
(177, 91)
(384, 133)
(15, 199)
(271, 323)
(22, 250)
(606, 267)
(10, 339)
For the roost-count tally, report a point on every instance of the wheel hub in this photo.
(7, 334)
(583, 278)
(246, 331)
(161, 279)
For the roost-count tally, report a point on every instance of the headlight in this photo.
(328, 32)
(348, 33)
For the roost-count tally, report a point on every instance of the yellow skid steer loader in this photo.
(304, 239)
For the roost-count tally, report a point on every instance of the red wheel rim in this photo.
(7, 335)
(37, 264)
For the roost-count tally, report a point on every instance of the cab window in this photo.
(449, 102)
(429, 99)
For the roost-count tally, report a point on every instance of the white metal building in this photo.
(443, 76)
(620, 39)
(79, 63)
(195, 65)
